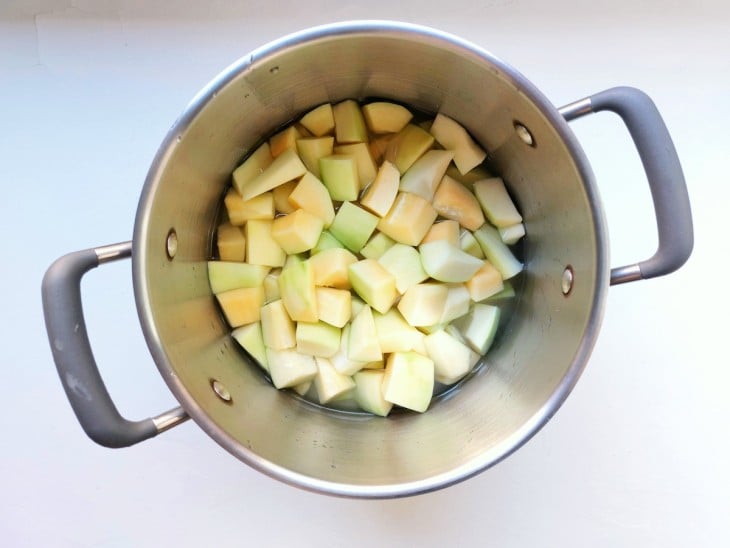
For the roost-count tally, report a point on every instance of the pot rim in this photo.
(486, 459)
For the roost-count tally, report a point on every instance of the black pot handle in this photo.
(663, 171)
(90, 400)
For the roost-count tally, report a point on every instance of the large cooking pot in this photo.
(532, 366)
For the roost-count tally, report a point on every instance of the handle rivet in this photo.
(220, 391)
(566, 282)
(171, 246)
(524, 134)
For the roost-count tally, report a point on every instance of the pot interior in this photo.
(536, 358)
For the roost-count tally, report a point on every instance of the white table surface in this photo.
(638, 455)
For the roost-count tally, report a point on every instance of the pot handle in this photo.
(663, 171)
(61, 291)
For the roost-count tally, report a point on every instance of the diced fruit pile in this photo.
(362, 255)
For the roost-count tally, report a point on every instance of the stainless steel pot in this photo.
(532, 366)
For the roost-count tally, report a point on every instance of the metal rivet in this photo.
(220, 391)
(566, 282)
(171, 247)
(524, 134)
(274, 70)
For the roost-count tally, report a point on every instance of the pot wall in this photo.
(534, 362)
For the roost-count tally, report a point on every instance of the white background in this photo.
(638, 455)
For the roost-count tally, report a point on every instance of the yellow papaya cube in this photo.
(445, 230)
(404, 263)
(349, 122)
(281, 197)
(423, 304)
(330, 267)
(297, 232)
(452, 136)
(277, 327)
(394, 333)
(486, 282)
(256, 163)
(320, 121)
(380, 195)
(284, 140)
(407, 146)
(385, 117)
(242, 306)
(240, 210)
(261, 247)
(363, 345)
(374, 284)
(286, 167)
(496, 202)
(311, 195)
(231, 242)
(409, 219)
(454, 201)
(271, 285)
(334, 305)
(424, 176)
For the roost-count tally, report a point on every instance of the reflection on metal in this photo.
(576, 109)
(524, 134)
(171, 418)
(171, 243)
(566, 283)
(113, 252)
(623, 274)
(220, 391)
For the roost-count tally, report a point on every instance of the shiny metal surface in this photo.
(536, 360)
(624, 274)
(170, 419)
(113, 252)
(567, 280)
(576, 109)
